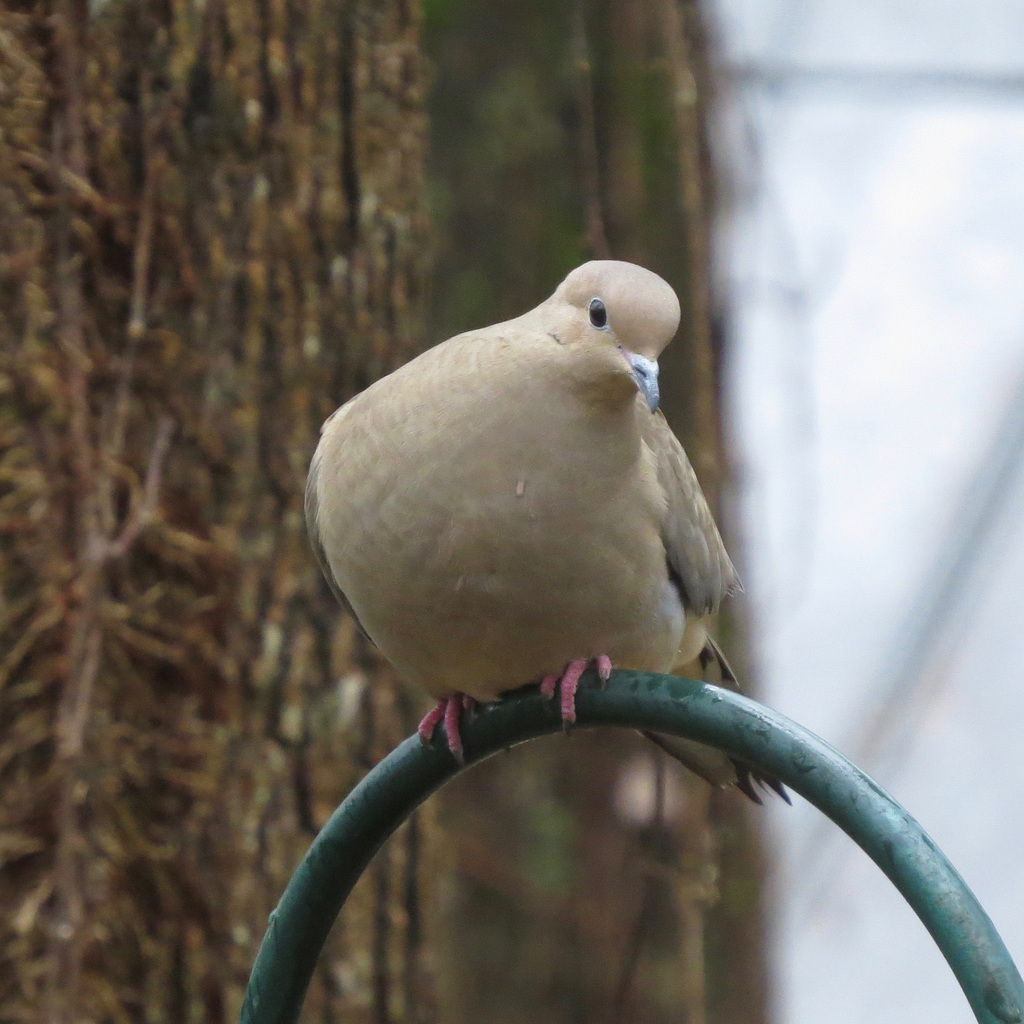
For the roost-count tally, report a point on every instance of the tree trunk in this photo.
(595, 881)
(210, 235)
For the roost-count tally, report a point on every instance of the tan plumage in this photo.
(507, 502)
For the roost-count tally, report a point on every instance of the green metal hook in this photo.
(743, 728)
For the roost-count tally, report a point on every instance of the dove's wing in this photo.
(312, 505)
(703, 574)
(697, 560)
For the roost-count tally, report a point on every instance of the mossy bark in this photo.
(211, 233)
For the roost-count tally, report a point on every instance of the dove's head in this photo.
(617, 319)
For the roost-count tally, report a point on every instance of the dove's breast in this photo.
(488, 529)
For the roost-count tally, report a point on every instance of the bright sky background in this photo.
(876, 264)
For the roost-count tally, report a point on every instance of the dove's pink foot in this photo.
(430, 720)
(569, 680)
(448, 709)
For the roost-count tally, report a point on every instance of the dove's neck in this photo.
(597, 428)
(603, 381)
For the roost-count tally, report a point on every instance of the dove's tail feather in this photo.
(710, 764)
(712, 654)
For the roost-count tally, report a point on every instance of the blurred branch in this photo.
(141, 256)
(136, 328)
(882, 81)
(648, 900)
(93, 502)
(83, 650)
(382, 937)
(144, 510)
(413, 946)
(677, 19)
(597, 237)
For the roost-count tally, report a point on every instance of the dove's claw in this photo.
(449, 710)
(451, 727)
(430, 720)
(569, 680)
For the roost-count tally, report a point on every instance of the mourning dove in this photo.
(510, 506)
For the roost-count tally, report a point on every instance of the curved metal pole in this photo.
(743, 728)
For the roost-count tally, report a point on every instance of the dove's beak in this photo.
(645, 373)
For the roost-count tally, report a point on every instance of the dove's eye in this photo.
(598, 314)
